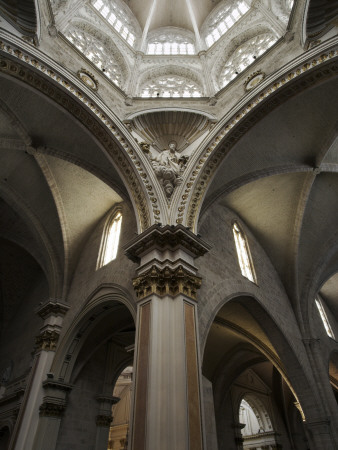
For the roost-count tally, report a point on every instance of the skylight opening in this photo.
(170, 48)
(324, 318)
(224, 21)
(117, 19)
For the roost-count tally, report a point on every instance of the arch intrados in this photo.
(127, 194)
(224, 144)
(100, 303)
(277, 339)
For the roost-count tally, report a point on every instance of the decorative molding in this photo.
(57, 385)
(315, 70)
(167, 281)
(52, 409)
(46, 341)
(169, 237)
(103, 420)
(125, 163)
(88, 79)
(300, 409)
(52, 307)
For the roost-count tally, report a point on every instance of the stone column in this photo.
(52, 312)
(51, 411)
(167, 402)
(104, 420)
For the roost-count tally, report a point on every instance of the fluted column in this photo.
(167, 401)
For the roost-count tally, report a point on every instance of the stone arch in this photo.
(96, 348)
(274, 346)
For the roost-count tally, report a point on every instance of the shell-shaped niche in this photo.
(158, 128)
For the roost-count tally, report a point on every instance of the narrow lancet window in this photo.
(324, 318)
(243, 253)
(110, 240)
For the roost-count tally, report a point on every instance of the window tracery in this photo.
(110, 239)
(243, 253)
(117, 18)
(245, 55)
(94, 49)
(170, 42)
(171, 86)
(223, 20)
(324, 318)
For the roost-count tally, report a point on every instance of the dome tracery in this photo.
(171, 82)
(99, 49)
(245, 55)
(151, 48)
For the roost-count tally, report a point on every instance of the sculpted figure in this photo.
(168, 166)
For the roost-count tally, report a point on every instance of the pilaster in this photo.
(52, 312)
(167, 404)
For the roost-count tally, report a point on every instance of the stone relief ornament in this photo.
(88, 79)
(168, 166)
(254, 79)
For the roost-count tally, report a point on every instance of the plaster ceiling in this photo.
(171, 12)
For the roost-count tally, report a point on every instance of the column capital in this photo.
(103, 420)
(47, 340)
(52, 408)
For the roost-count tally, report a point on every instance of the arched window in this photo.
(243, 253)
(96, 51)
(171, 86)
(245, 55)
(110, 239)
(170, 41)
(223, 20)
(117, 18)
(324, 318)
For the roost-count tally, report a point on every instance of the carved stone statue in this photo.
(168, 166)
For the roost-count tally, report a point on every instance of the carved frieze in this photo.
(167, 281)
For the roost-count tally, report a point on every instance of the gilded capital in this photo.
(167, 281)
(47, 341)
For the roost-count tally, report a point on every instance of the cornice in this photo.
(169, 237)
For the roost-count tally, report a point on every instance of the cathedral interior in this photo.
(168, 224)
